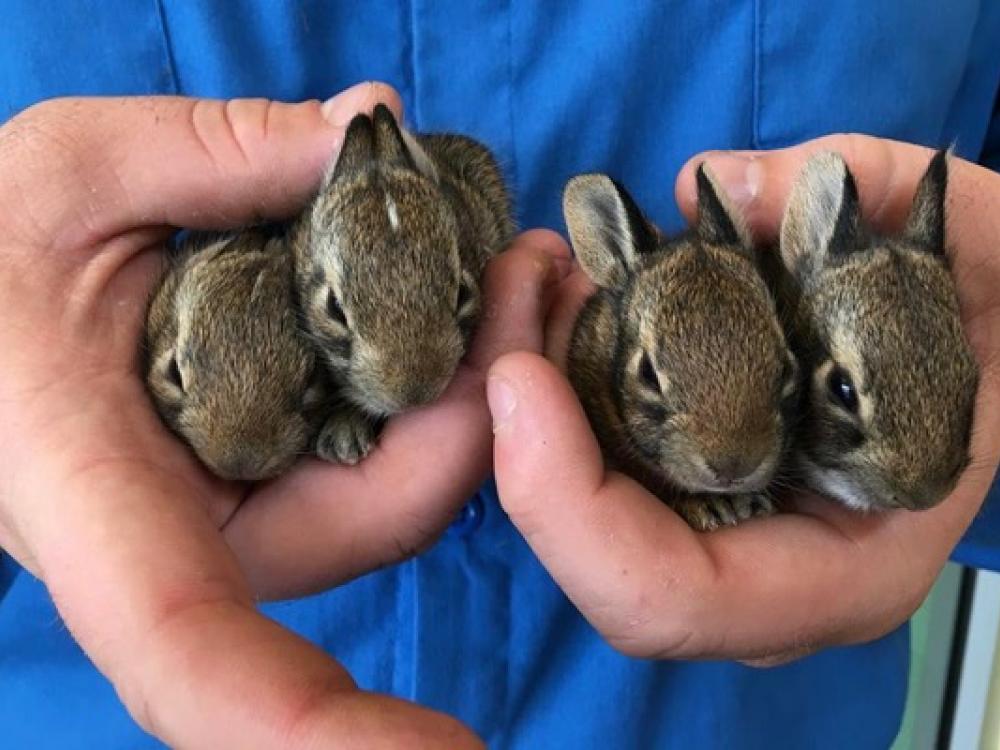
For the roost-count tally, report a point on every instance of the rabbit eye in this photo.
(464, 295)
(174, 374)
(842, 390)
(647, 373)
(787, 371)
(334, 310)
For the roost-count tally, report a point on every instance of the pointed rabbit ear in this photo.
(389, 146)
(823, 215)
(719, 222)
(606, 227)
(395, 146)
(925, 225)
(358, 150)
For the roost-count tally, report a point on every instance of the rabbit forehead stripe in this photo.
(392, 212)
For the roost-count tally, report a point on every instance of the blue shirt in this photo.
(475, 626)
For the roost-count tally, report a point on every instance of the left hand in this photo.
(133, 538)
(770, 590)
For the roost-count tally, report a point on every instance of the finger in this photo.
(94, 167)
(590, 529)
(571, 295)
(760, 182)
(887, 173)
(519, 288)
(324, 524)
(151, 593)
(653, 587)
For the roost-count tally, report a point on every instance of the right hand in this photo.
(133, 538)
(769, 591)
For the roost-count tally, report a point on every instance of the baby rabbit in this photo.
(888, 415)
(388, 260)
(679, 358)
(225, 364)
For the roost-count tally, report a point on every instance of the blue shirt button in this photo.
(469, 518)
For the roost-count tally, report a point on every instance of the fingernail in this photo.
(329, 109)
(502, 400)
(740, 175)
(340, 109)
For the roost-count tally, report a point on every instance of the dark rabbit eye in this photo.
(464, 294)
(334, 310)
(647, 373)
(842, 390)
(174, 373)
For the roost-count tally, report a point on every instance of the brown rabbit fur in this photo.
(679, 358)
(892, 380)
(388, 263)
(225, 363)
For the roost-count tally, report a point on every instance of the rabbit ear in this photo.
(606, 227)
(358, 150)
(925, 225)
(389, 146)
(822, 218)
(395, 146)
(719, 222)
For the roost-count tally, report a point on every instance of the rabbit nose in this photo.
(731, 469)
(243, 465)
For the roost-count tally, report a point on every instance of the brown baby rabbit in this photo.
(225, 363)
(679, 358)
(891, 379)
(388, 263)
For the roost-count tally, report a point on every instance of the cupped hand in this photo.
(773, 589)
(155, 565)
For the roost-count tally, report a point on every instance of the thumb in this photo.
(759, 182)
(102, 166)
(543, 446)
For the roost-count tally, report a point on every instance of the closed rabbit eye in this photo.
(464, 295)
(174, 374)
(648, 373)
(334, 310)
(841, 389)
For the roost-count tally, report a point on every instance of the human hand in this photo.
(115, 515)
(768, 591)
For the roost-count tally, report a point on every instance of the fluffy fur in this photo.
(876, 320)
(388, 260)
(225, 363)
(679, 358)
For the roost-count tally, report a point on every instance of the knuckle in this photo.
(544, 241)
(42, 130)
(230, 131)
(51, 148)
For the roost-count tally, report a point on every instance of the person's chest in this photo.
(633, 89)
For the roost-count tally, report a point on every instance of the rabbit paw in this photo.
(347, 437)
(710, 512)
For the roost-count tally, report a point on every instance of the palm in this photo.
(143, 550)
(767, 590)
